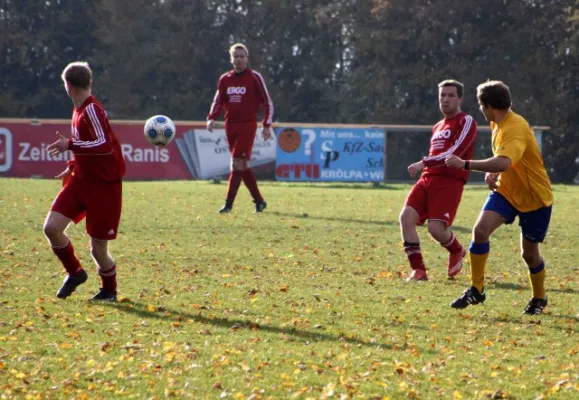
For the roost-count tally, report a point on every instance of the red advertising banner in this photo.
(23, 150)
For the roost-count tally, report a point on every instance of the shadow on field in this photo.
(477, 186)
(546, 321)
(360, 221)
(238, 324)
(346, 185)
(517, 287)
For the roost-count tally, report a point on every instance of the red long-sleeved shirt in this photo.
(241, 94)
(97, 152)
(456, 136)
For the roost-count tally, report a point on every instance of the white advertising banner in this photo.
(207, 154)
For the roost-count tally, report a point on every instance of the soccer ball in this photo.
(160, 130)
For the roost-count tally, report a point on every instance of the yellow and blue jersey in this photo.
(525, 184)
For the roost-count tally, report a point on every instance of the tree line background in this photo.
(340, 61)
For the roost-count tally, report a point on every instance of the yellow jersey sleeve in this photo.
(525, 184)
(511, 144)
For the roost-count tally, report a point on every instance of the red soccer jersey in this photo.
(241, 95)
(97, 152)
(456, 136)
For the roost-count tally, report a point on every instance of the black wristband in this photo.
(467, 165)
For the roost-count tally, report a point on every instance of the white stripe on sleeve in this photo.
(463, 135)
(261, 83)
(100, 139)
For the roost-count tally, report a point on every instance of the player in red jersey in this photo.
(241, 91)
(437, 194)
(92, 186)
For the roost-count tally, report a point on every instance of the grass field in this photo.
(306, 300)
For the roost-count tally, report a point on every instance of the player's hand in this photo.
(414, 169)
(210, 124)
(63, 174)
(266, 133)
(453, 161)
(491, 180)
(60, 146)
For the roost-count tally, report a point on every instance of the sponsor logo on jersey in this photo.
(445, 134)
(236, 90)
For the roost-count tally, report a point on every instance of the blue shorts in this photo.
(534, 224)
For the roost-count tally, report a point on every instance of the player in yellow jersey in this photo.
(519, 187)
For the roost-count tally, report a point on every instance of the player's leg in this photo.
(495, 212)
(413, 214)
(244, 149)
(107, 270)
(251, 184)
(66, 207)
(444, 196)
(442, 233)
(235, 178)
(102, 224)
(235, 174)
(534, 227)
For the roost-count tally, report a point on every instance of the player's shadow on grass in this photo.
(531, 320)
(360, 221)
(238, 324)
(346, 185)
(518, 287)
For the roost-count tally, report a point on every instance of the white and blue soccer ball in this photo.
(160, 130)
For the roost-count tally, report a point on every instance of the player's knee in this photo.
(530, 257)
(437, 231)
(407, 218)
(237, 164)
(51, 231)
(480, 233)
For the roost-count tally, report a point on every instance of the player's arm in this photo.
(465, 139)
(218, 101)
(493, 165)
(509, 151)
(102, 143)
(266, 102)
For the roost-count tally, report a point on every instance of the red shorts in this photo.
(240, 137)
(100, 202)
(436, 198)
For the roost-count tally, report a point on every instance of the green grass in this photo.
(306, 300)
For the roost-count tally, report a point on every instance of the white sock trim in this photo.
(61, 247)
(108, 273)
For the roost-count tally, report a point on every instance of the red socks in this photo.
(72, 266)
(414, 255)
(251, 183)
(234, 182)
(235, 178)
(66, 256)
(453, 245)
(109, 279)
